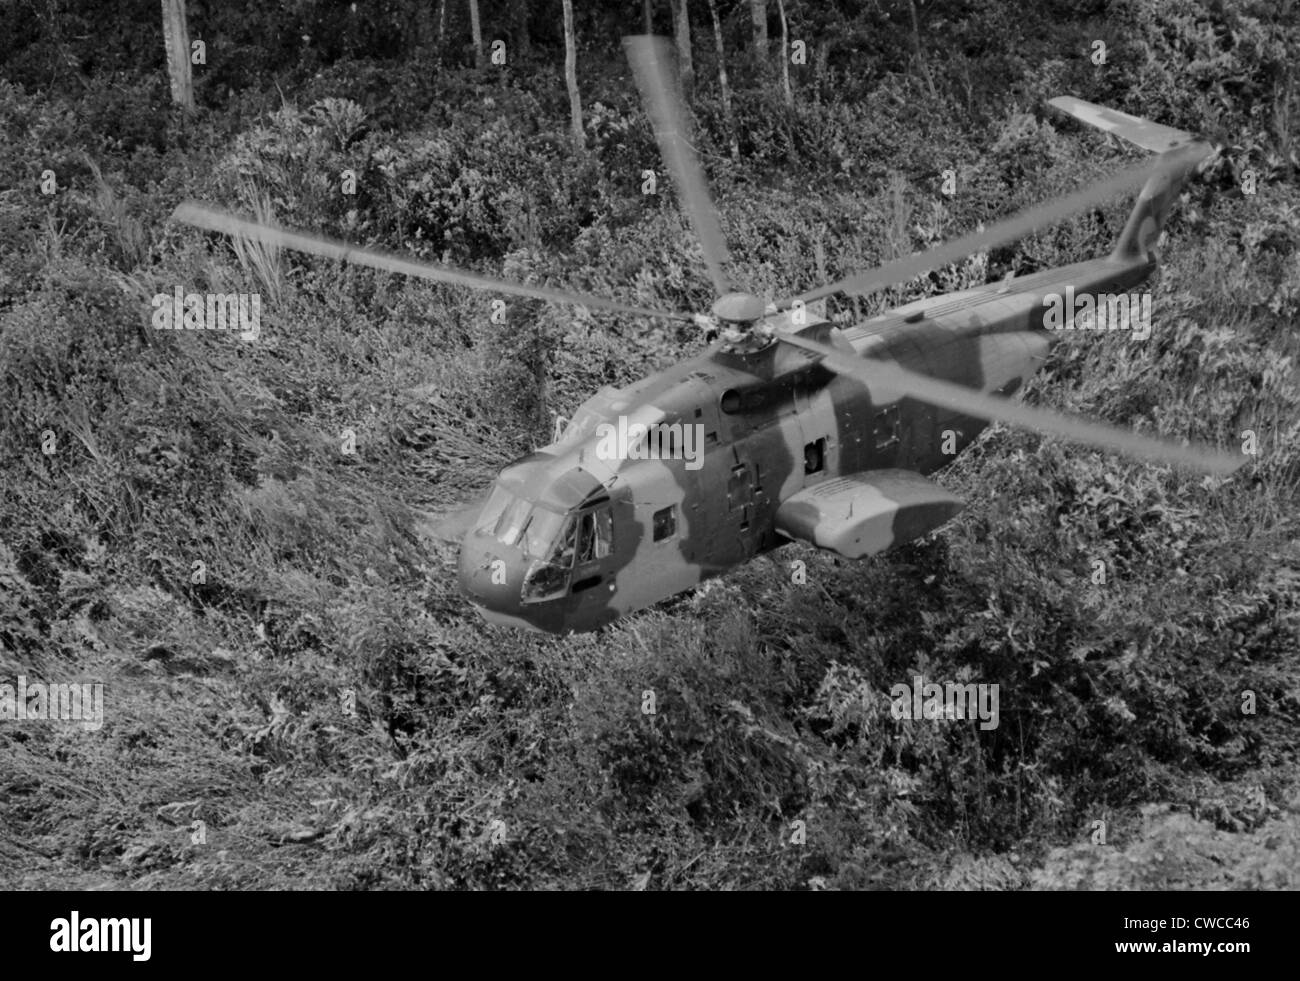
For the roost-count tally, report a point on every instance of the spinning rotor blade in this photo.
(1008, 230)
(894, 379)
(210, 219)
(653, 67)
(450, 526)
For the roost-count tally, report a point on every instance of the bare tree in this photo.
(785, 55)
(571, 77)
(758, 18)
(682, 35)
(820, 56)
(523, 38)
(916, 45)
(176, 38)
(442, 28)
(477, 31)
(722, 81)
(423, 24)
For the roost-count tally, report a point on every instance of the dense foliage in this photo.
(319, 696)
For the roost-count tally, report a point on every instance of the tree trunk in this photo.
(523, 37)
(423, 26)
(785, 55)
(916, 45)
(571, 77)
(722, 82)
(476, 30)
(176, 38)
(648, 13)
(820, 57)
(442, 29)
(682, 34)
(758, 17)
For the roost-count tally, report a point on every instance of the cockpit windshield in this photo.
(496, 504)
(542, 532)
(514, 521)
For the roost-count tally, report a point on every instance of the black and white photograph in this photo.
(651, 446)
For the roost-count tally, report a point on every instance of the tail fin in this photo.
(1180, 154)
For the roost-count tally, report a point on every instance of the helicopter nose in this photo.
(492, 575)
(489, 572)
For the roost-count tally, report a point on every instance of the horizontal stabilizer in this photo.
(865, 513)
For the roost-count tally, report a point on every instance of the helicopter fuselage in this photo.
(583, 531)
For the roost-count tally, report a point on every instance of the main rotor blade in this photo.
(200, 216)
(450, 526)
(1008, 230)
(896, 380)
(651, 58)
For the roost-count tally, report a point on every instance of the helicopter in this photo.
(788, 426)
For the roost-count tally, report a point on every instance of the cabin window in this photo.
(665, 523)
(814, 456)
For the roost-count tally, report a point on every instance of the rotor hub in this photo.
(738, 308)
(739, 317)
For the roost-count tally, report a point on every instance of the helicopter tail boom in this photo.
(1181, 153)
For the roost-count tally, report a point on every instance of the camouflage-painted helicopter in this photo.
(787, 427)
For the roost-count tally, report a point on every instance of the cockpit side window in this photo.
(596, 534)
(564, 544)
(549, 576)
